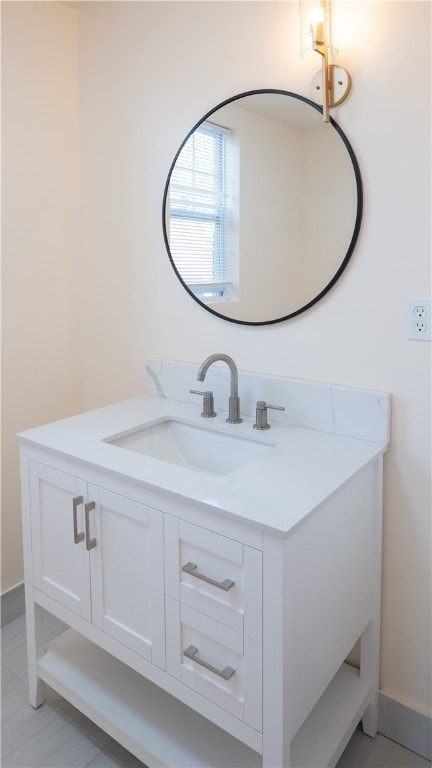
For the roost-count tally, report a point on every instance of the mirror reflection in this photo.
(262, 207)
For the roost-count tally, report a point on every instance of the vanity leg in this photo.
(35, 649)
(276, 742)
(369, 667)
(34, 613)
(370, 639)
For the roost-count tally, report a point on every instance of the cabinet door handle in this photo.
(90, 543)
(191, 569)
(191, 653)
(75, 504)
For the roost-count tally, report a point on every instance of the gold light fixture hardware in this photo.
(332, 84)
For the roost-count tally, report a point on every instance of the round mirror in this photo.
(262, 207)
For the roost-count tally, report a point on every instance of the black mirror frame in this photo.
(357, 223)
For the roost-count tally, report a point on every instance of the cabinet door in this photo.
(127, 573)
(61, 567)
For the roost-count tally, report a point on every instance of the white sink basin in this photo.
(177, 442)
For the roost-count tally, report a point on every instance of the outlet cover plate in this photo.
(419, 319)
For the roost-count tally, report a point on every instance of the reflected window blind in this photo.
(199, 193)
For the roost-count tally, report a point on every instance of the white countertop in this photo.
(274, 492)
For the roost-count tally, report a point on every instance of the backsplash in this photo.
(360, 413)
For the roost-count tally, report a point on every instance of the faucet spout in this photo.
(234, 400)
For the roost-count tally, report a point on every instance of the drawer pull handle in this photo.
(191, 653)
(191, 569)
(75, 504)
(90, 543)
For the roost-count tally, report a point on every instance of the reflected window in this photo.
(203, 228)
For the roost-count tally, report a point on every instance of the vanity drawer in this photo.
(215, 575)
(215, 661)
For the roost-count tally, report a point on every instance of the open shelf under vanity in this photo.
(163, 731)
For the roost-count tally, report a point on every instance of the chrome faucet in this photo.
(234, 400)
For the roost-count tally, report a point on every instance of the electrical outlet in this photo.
(419, 319)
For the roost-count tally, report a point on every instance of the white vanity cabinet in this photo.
(197, 636)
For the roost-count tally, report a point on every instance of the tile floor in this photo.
(58, 736)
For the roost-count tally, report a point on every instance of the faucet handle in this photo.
(261, 414)
(208, 403)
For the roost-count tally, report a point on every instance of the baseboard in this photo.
(406, 726)
(12, 604)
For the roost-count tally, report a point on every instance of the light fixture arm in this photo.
(320, 45)
(332, 86)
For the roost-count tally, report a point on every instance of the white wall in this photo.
(148, 72)
(41, 378)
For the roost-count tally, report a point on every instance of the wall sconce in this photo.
(332, 84)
